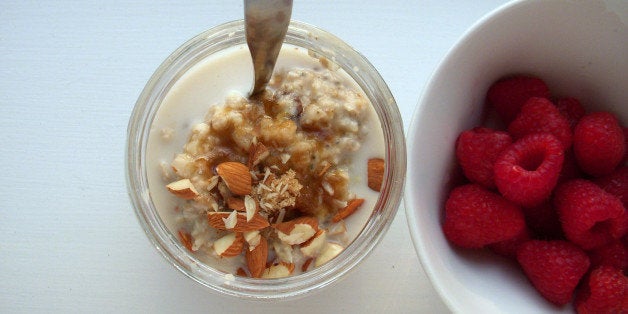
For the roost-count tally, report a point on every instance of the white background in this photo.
(70, 73)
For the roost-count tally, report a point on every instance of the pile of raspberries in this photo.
(549, 191)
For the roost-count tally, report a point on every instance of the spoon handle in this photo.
(266, 24)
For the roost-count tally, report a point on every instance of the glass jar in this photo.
(320, 43)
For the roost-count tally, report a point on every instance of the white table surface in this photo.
(70, 73)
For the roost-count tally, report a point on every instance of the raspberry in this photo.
(477, 150)
(475, 217)
(613, 254)
(527, 171)
(616, 183)
(571, 109)
(599, 143)
(590, 216)
(604, 291)
(539, 115)
(507, 95)
(553, 267)
(543, 221)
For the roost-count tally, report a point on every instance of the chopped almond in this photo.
(256, 258)
(345, 212)
(298, 230)
(186, 239)
(229, 245)
(236, 176)
(183, 189)
(375, 169)
(258, 221)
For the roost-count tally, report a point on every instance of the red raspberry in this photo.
(553, 267)
(539, 115)
(571, 109)
(590, 216)
(543, 221)
(527, 171)
(477, 150)
(599, 143)
(604, 291)
(613, 254)
(475, 217)
(616, 183)
(507, 95)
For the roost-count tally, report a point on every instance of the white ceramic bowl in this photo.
(580, 48)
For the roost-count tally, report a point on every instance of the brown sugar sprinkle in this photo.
(186, 239)
(351, 207)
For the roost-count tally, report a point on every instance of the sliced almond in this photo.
(186, 239)
(279, 270)
(231, 220)
(329, 251)
(256, 223)
(229, 245)
(375, 172)
(236, 176)
(236, 204)
(306, 264)
(345, 212)
(256, 258)
(257, 153)
(252, 238)
(251, 207)
(298, 230)
(313, 246)
(183, 189)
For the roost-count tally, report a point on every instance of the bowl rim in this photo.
(408, 197)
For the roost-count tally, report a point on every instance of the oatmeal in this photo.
(266, 187)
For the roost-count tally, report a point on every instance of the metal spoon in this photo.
(266, 24)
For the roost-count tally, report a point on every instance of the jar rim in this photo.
(361, 71)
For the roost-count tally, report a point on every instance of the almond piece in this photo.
(252, 238)
(306, 264)
(236, 176)
(250, 206)
(256, 223)
(329, 251)
(186, 239)
(229, 245)
(345, 212)
(279, 270)
(375, 171)
(256, 258)
(298, 230)
(183, 189)
(241, 272)
(236, 204)
(313, 246)
(257, 153)
(231, 220)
